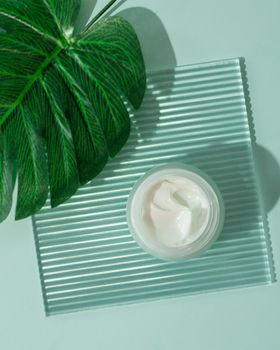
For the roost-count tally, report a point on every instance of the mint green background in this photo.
(199, 30)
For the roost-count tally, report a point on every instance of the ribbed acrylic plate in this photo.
(195, 114)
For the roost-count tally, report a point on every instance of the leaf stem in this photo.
(100, 14)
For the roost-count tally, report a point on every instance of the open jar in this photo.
(175, 212)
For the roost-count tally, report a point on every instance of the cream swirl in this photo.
(178, 209)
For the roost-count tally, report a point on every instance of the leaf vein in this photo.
(50, 37)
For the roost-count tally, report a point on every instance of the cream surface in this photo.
(177, 210)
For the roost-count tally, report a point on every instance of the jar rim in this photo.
(215, 220)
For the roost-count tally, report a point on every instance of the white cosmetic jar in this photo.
(199, 205)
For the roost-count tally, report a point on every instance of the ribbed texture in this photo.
(194, 114)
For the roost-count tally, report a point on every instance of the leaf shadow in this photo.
(155, 42)
(150, 30)
(87, 7)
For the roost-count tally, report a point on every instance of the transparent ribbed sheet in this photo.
(197, 114)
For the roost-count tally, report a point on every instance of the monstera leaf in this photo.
(62, 99)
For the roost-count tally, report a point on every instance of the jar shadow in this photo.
(269, 175)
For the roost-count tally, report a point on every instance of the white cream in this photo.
(177, 210)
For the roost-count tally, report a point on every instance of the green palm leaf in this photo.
(62, 99)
